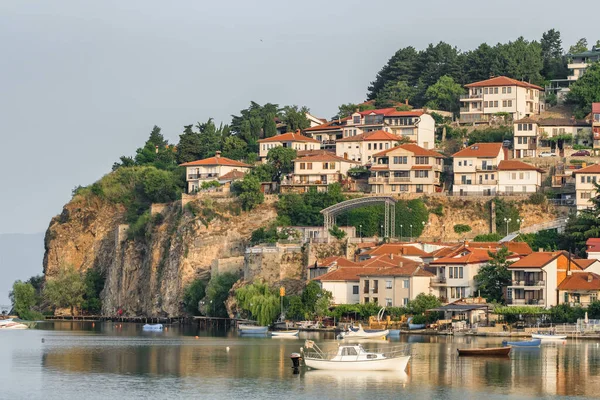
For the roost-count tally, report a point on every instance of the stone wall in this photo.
(233, 265)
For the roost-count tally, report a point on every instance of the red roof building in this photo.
(217, 168)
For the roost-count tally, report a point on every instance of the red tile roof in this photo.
(405, 270)
(537, 260)
(382, 167)
(584, 262)
(344, 274)
(419, 167)
(306, 153)
(288, 137)
(379, 111)
(593, 244)
(216, 160)
(392, 112)
(596, 108)
(592, 169)
(413, 148)
(232, 175)
(371, 136)
(515, 165)
(468, 256)
(580, 281)
(562, 122)
(328, 126)
(395, 248)
(337, 260)
(385, 260)
(324, 158)
(480, 150)
(503, 81)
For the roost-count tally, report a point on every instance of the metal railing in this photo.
(529, 283)
(471, 96)
(203, 176)
(531, 302)
(438, 279)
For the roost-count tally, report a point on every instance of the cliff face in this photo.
(147, 276)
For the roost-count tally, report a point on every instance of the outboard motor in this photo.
(296, 357)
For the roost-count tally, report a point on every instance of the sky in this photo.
(82, 83)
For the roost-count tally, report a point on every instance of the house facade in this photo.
(318, 170)
(406, 168)
(215, 168)
(585, 188)
(535, 278)
(579, 289)
(292, 140)
(518, 177)
(596, 128)
(363, 146)
(343, 283)
(485, 99)
(579, 62)
(476, 168)
(395, 286)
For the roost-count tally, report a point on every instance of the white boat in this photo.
(354, 357)
(253, 329)
(152, 327)
(285, 333)
(548, 336)
(360, 333)
(10, 324)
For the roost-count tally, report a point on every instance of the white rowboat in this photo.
(285, 333)
(545, 336)
(253, 329)
(360, 333)
(356, 358)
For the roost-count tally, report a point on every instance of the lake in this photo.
(112, 361)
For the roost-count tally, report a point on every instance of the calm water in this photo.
(108, 361)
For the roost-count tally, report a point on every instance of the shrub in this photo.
(192, 296)
(93, 285)
(337, 233)
(576, 162)
(217, 292)
(210, 184)
(419, 319)
(488, 237)
(248, 191)
(437, 210)
(537, 199)
(138, 229)
(462, 228)
(22, 297)
(158, 219)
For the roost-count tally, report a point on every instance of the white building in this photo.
(485, 99)
(363, 146)
(292, 140)
(585, 188)
(518, 177)
(318, 170)
(476, 168)
(579, 62)
(215, 168)
(395, 286)
(343, 283)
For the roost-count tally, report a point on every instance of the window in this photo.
(520, 128)
(332, 165)
(375, 286)
(366, 300)
(393, 188)
(406, 284)
(460, 163)
(403, 188)
(387, 146)
(376, 300)
(586, 195)
(325, 165)
(509, 90)
(419, 188)
(589, 179)
(450, 272)
(355, 289)
(485, 91)
(405, 301)
(421, 160)
(593, 297)
(400, 159)
(388, 302)
(302, 165)
(582, 179)
(504, 102)
(496, 103)
(421, 174)
(496, 92)
(510, 102)
(369, 146)
(485, 103)
(460, 272)
(356, 119)
(503, 90)
(366, 286)
(521, 175)
(380, 146)
(388, 284)
(309, 165)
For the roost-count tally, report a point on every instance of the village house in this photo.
(362, 146)
(485, 99)
(217, 168)
(535, 278)
(585, 188)
(579, 289)
(578, 62)
(406, 251)
(328, 133)
(596, 128)
(327, 265)
(343, 283)
(476, 168)
(518, 177)
(292, 140)
(534, 136)
(395, 286)
(317, 171)
(593, 248)
(406, 168)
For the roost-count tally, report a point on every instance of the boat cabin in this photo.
(355, 353)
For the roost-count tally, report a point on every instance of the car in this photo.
(580, 153)
(547, 154)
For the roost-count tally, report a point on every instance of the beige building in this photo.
(217, 168)
(596, 127)
(534, 136)
(407, 168)
(585, 188)
(485, 99)
(579, 289)
(518, 177)
(319, 170)
(394, 286)
(476, 168)
(579, 62)
(292, 140)
(362, 146)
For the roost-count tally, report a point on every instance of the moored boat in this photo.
(485, 351)
(152, 327)
(523, 343)
(253, 329)
(285, 333)
(548, 336)
(10, 324)
(355, 358)
(360, 333)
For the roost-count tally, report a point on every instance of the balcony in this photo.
(438, 280)
(529, 283)
(577, 65)
(486, 167)
(488, 182)
(529, 302)
(378, 179)
(213, 175)
(392, 179)
(473, 118)
(478, 96)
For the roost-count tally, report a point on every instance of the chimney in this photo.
(540, 250)
(401, 264)
(392, 256)
(156, 149)
(590, 278)
(298, 131)
(217, 154)
(406, 101)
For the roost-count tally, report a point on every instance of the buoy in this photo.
(93, 324)
(44, 341)
(227, 348)
(196, 337)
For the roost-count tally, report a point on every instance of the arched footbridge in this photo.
(389, 202)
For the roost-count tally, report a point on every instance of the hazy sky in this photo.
(83, 82)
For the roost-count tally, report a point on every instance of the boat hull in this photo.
(524, 343)
(152, 327)
(253, 330)
(388, 364)
(416, 326)
(491, 351)
(285, 333)
(548, 337)
(361, 334)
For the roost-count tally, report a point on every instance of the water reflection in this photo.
(123, 351)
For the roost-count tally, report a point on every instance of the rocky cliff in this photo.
(146, 275)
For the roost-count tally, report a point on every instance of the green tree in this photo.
(189, 146)
(295, 118)
(393, 93)
(579, 47)
(217, 293)
(65, 289)
(93, 282)
(235, 148)
(585, 91)
(260, 300)
(210, 138)
(281, 159)
(494, 276)
(345, 110)
(311, 298)
(445, 93)
(337, 233)
(23, 298)
(555, 65)
(402, 66)
(263, 172)
(248, 192)
(158, 186)
(462, 228)
(156, 152)
(270, 127)
(488, 237)
(295, 310)
(192, 296)
(422, 303)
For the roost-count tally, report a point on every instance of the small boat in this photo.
(413, 327)
(394, 333)
(253, 329)
(360, 333)
(523, 343)
(548, 336)
(355, 358)
(285, 333)
(152, 327)
(485, 351)
(9, 324)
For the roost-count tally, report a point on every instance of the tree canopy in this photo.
(494, 276)
(65, 289)
(585, 91)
